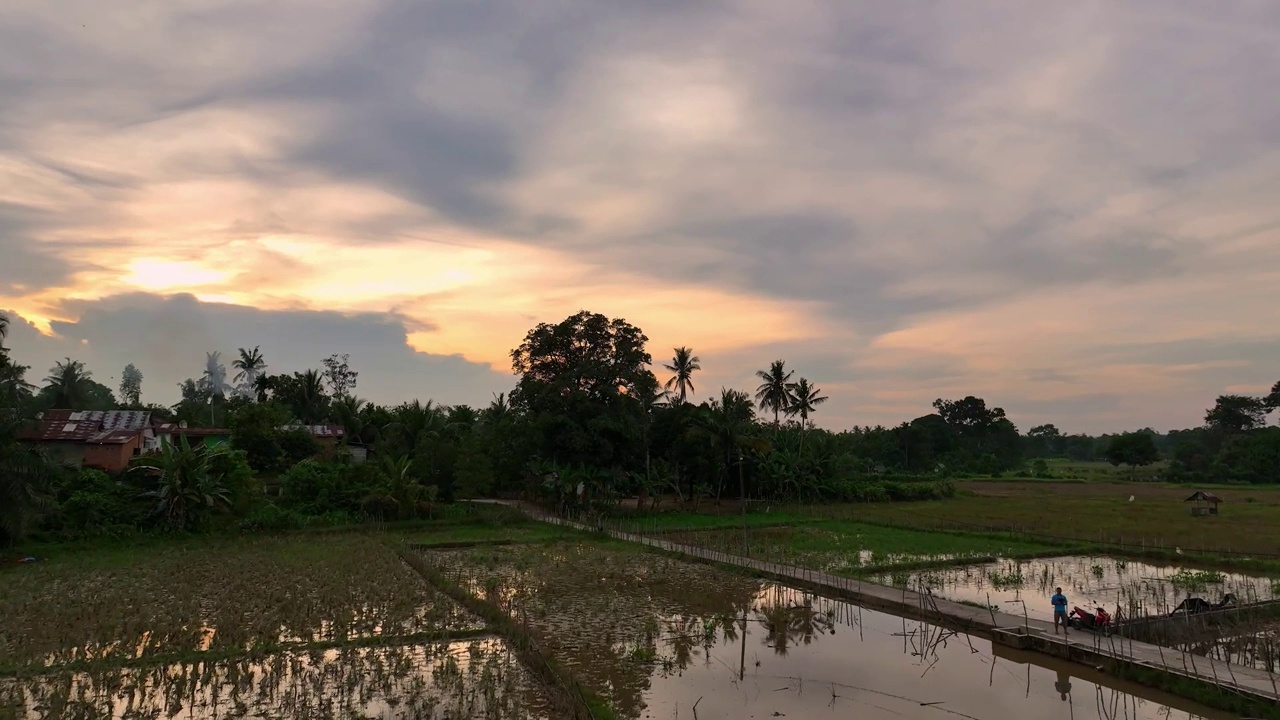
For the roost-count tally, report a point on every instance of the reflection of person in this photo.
(1063, 686)
(1059, 610)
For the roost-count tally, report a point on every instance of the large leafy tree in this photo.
(67, 385)
(1233, 414)
(774, 391)
(249, 366)
(583, 383)
(1134, 449)
(131, 385)
(682, 366)
(339, 375)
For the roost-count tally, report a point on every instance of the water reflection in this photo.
(1133, 588)
(661, 638)
(445, 680)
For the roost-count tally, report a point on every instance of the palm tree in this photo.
(26, 474)
(4, 329)
(774, 392)
(684, 365)
(805, 398)
(68, 383)
(251, 366)
(310, 403)
(263, 386)
(214, 379)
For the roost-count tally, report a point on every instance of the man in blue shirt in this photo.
(1059, 611)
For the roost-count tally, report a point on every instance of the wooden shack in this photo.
(1206, 503)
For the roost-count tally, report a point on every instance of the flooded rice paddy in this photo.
(662, 638)
(1134, 588)
(339, 627)
(268, 593)
(478, 678)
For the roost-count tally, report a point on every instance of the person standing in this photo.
(1059, 611)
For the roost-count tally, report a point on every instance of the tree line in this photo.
(588, 423)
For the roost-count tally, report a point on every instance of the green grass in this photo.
(524, 532)
(855, 548)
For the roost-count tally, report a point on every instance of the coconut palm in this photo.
(774, 392)
(13, 383)
(805, 398)
(214, 379)
(684, 364)
(4, 329)
(68, 384)
(26, 474)
(250, 366)
(310, 402)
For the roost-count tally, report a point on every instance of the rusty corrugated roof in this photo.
(84, 425)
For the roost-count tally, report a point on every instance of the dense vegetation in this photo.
(589, 422)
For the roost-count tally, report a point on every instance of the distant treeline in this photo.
(588, 423)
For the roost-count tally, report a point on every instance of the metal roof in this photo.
(335, 431)
(87, 425)
(1204, 495)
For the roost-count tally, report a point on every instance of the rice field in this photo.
(477, 678)
(222, 599)
(1126, 588)
(660, 638)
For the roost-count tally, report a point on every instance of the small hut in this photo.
(1206, 503)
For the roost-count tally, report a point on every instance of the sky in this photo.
(1069, 209)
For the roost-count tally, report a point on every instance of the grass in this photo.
(848, 547)
(1097, 513)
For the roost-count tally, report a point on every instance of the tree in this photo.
(26, 475)
(68, 385)
(582, 384)
(474, 473)
(214, 379)
(303, 393)
(4, 330)
(339, 375)
(250, 365)
(14, 388)
(1044, 441)
(131, 385)
(1233, 414)
(1134, 449)
(1273, 398)
(684, 364)
(774, 392)
(805, 399)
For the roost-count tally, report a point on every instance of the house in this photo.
(209, 437)
(330, 438)
(103, 439)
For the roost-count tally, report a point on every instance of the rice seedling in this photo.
(479, 678)
(222, 599)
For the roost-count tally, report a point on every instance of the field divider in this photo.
(572, 698)
(236, 654)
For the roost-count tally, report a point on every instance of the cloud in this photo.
(167, 338)
(905, 201)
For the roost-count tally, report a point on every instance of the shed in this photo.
(1206, 503)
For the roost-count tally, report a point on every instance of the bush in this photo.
(310, 487)
(91, 503)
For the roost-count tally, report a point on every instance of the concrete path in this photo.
(1080, 646)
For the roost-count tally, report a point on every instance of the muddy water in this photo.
(480, 678)
(1135, 588)
(661, 639)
